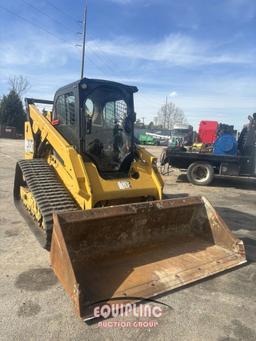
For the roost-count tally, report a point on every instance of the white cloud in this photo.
(176, 49)
(37, 52)
(122, 57)
(173, 94)
(48, 64)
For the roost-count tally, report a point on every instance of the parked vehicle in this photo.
(146, 140)
(161, 140)
(229, 157)
(181, 135)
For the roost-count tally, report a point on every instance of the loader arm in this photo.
(66, 161)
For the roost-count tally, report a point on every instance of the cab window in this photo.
(65, 109)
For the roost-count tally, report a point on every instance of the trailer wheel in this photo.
(200, 173)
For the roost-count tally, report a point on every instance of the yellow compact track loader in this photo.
(95, 200)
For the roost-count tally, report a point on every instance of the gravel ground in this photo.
(35, 307)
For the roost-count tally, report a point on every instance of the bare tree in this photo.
(169, 115)
(156, 120)
(19, 84)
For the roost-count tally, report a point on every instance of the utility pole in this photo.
(84, 40)
(165, 114)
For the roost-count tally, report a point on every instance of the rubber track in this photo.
(50, 194)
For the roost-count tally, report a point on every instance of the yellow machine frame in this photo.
(82, 178)
(30, 203)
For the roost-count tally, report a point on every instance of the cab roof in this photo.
(96, 82)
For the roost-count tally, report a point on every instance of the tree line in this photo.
(12, 112)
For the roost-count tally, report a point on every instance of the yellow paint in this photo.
(30, 203)
(49, 116)
(28, 138)
(83, 180)
(198, 146)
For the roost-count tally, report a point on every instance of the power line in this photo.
(106, 61)
(67, 28)
(29, 21)
(45, 14)
(108, 64)
(97, 56)
(47, 31)
(61, 10)
(84, 40)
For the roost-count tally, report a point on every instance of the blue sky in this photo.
(201, 54)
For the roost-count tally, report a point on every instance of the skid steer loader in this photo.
(95, 199)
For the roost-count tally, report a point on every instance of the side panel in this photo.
(29, 141)
(149, 184)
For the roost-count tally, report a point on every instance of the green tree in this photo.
(12, 112)
(151, 125)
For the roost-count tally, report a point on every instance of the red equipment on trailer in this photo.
(207, 132)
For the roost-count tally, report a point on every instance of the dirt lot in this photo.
(35, 307)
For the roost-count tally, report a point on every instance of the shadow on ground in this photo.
(238, 220)
(175, 196)
(245, 222)
(239, 183)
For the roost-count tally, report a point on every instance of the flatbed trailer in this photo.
(201, 168)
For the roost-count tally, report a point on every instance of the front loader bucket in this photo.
(137, 251)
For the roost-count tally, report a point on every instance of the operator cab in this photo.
(97, 117)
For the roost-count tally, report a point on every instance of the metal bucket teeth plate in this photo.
(139, 250)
